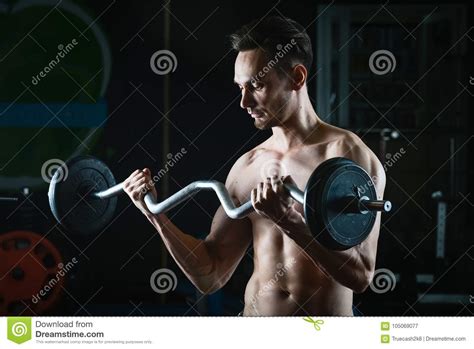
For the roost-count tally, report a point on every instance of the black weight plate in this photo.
(69, 204)
(320, 172)
(346, 229)
(326, 196)
(311, 194)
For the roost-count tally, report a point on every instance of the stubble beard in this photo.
(265, 123)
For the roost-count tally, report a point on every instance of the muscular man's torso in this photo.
(285, 281)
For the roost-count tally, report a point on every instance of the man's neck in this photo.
(297, 130)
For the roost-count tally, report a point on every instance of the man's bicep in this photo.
(228, 239)
(369, 161)
(366, 158)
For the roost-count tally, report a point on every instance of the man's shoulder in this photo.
(354, 148)
(353, 141)
(343, 136)
(346, 140)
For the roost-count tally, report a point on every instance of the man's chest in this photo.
(297, 164)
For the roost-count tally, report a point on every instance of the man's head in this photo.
(275, 56)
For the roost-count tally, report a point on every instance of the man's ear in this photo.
(299, 74)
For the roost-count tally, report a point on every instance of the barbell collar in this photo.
(375, 205)
(363, 205)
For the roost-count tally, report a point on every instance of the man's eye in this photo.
(258, 87)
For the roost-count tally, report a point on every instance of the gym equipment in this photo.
(27, 264)
(8, 199)
(340, 201)
(340, 204)
(386, 135)
(70, 199)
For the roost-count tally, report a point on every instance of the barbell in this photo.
(340, 202)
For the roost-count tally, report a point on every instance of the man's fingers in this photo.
(140, 183)
(259, 192)
(256, 202)
(280, 188)
(253, 196)
(273, 182)
(277, 186)
(129, 180)
(267, 188)
(135, 176)
(143, 189)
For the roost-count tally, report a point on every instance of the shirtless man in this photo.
(293, 274)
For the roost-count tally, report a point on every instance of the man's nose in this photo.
(247, 100)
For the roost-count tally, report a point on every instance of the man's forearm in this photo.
(345, 267)
(191, 254)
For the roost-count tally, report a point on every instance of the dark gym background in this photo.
(427, 100)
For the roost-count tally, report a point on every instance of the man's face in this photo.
(265, 94)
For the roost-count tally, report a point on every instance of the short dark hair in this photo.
(272, 34)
